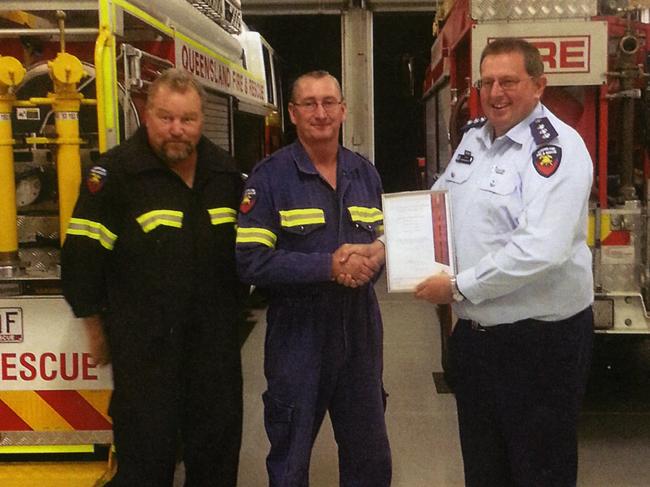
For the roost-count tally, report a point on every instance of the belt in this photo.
(476, 326)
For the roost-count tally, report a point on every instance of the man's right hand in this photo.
(97, 342)
(353, 269)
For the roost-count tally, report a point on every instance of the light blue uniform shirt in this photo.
(519, 207)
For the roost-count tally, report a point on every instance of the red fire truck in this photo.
(73, 78)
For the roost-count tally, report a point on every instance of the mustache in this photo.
(177, 141)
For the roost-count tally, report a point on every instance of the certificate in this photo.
(417, 225)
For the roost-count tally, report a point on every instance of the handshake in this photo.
(354, 265)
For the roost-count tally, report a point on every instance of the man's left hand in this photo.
(435, 289)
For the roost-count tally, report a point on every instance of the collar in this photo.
(345, 160)
(519, 134)
(142, 158)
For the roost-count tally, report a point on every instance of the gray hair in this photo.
(318, 74)
(178, 80)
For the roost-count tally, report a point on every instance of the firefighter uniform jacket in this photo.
(148, 252)
(146, 249)
(323, 347)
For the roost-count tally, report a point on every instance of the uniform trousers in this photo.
(325, 355)
(519, 388)
(173, 395)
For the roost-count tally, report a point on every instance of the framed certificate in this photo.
(417, 225)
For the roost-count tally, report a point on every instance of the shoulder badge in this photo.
(474, 123)
(546, 160)
(248, 201)
(96, 179)
(542, 130)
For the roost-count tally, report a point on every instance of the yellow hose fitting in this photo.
(66, 71)
(11, 75)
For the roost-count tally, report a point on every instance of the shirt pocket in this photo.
(301, 222)
(500, 198)
(367, 221)
(458, 173)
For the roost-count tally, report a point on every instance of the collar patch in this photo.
(465, 158)
(542, 130)
(547, 159)
(248, 200)
(96, 179)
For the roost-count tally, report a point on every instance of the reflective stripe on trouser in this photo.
(325, 354)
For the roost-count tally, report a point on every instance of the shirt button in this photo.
(492, 183)
(453, 174)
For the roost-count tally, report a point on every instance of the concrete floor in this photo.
(422, 423)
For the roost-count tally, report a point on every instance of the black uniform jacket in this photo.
(150, 254)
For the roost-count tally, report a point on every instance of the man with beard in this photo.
(149, 264)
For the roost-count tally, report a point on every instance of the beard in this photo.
(175, 151)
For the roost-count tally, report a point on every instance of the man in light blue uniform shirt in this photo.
(519, 185)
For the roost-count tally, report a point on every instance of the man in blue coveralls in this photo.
(308, 228)
(519, 185)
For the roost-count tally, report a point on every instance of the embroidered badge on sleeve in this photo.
(248, 201)
(547, 159)
(96, 179)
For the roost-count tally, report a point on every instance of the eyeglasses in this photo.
(506, 84)
(310, 106)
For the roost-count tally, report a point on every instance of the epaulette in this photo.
(542, 130)
(474, 123)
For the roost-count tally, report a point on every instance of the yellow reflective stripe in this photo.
(303, 216)
(153, 219)
(222, 215)
(94, 230)
(379, 230)
(256, 235)
(364, 214)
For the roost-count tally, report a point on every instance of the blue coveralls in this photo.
(323, 349)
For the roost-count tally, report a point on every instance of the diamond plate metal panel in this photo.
(31, 228)
(493, 10)
(40, 262)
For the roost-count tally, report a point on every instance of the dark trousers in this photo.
(519, 388)
(176, 397)
(323, 356)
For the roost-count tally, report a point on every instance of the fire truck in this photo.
(597, 61)
(73, 81)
